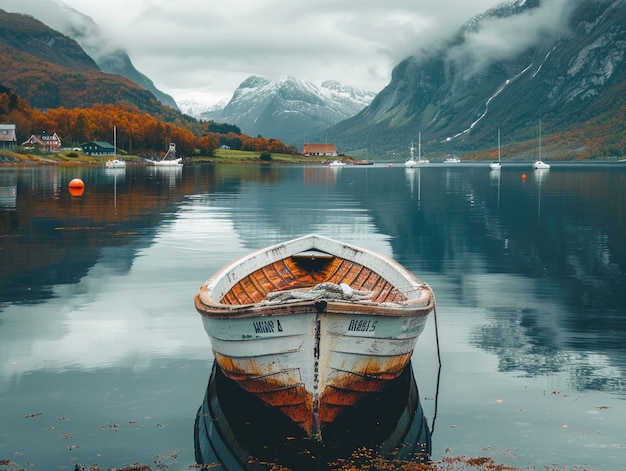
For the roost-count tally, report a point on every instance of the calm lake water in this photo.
(103, 359)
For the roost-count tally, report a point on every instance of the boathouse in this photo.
(98, 148)
(8, 136)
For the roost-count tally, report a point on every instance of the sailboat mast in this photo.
(539, 139)
(498, 145)
(419, 146)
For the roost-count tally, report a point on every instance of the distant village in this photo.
(51, 142)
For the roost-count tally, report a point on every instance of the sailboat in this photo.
(169, 159)
(497, 165)
(411, 161)
(115, 162)
(540, 164)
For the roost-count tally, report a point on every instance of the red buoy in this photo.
(77, 187)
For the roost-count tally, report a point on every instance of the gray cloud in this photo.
(500, 38)
(193, 46)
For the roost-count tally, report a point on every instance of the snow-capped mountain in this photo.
(288, 109)
(196, 104)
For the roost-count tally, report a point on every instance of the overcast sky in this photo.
(194, 47)
(212, 46)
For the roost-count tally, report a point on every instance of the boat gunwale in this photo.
(419, 295)
(364, 308)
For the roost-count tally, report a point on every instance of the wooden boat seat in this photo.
(305, 270)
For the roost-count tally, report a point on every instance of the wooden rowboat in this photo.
(312, 325)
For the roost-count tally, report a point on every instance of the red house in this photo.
(319, 149)
(45, 142)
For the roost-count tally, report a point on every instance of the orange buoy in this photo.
(523, 177)
(77, 187)
(77, 183)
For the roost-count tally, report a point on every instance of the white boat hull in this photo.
(313, 357)
(357, 355)
(168, 163)
(115, 163)
(540, 165)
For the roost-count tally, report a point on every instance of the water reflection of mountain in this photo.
(51, 238)
(461, 212)
(556, 243)
(236, 431)
(48, 237)
(55, 238)
(522, 342)
(568, 259)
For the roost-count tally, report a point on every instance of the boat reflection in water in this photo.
(235, 430)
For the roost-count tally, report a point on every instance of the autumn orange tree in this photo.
(137, 132)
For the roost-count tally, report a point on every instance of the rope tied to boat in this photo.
(321, 291)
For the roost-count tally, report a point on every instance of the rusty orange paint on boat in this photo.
(313, 353)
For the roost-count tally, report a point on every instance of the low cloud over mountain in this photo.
(110, 57)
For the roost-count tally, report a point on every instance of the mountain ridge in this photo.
(109, 57)
(561, 62)
(563, 79)
(51, 70)
(288, 108)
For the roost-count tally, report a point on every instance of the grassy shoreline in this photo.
(69, 158)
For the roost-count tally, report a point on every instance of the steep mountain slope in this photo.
(555, 60)
(118, 62)
(289, 109)
(95, 42)
(28, 36)
(50, 69)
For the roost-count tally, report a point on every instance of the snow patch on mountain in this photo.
(288, 108)
(195, 104)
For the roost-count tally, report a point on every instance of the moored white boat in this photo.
(337, 163)
(412, 161)
(540, 164)
(313, 325)
(169, 159)
(115, 163)
(497, 165)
